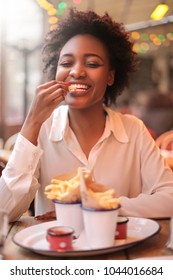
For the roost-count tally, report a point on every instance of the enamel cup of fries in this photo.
(64, 191)
(100, 211)
(69, 214)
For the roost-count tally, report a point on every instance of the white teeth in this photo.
(78, 87)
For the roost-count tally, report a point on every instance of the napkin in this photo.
(95, 195)
(65, 188)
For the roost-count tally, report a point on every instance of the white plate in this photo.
(34, 239)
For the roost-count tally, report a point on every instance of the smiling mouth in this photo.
(78, 87)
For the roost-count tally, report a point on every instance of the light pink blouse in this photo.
(125, 158)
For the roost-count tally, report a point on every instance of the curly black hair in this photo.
(112, 34)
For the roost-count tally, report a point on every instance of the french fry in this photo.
(67, 188)
(72, 87)
(56, 181)
(63, 189)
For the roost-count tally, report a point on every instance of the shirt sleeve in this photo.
(156, 197)
(158, 205)
(19, 180)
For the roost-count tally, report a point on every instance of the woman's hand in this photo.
(48, 97)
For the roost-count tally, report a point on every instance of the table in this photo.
(154, 246)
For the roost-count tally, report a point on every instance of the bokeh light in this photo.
(76, 1)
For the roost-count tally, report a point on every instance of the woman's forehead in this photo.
(86, 43)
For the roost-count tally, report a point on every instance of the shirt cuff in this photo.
(25, 156)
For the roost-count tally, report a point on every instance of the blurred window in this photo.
(21, 34)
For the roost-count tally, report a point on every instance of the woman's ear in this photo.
(111, 77)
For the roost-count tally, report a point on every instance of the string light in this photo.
(52, 12)
(144, 42)
(135, 35)
(76, 1)
(170, 36)
(61, 8)
(62, 5)
(53, 20)
(45, 4)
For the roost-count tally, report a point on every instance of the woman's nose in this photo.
(77, 72)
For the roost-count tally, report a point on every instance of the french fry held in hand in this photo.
(64, 189)
(72, 87)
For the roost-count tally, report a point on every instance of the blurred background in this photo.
(23, 25)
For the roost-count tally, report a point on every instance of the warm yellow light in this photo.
(51, 12)
(159, 11)
(54, 26)
(135, 35)
(45, 4)
(136, 47)
(53, 20)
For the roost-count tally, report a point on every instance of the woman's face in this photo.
(84, 62)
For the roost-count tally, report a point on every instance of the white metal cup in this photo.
(3, 226)
(100, 226)
(69, 214)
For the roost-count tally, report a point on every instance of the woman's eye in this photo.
(93, 64)
(66, 63)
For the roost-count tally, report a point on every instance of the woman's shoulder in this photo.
(125, 118)
(130, 124)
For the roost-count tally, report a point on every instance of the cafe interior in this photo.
(23, 25)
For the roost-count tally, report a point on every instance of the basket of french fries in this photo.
(74, 191)
(80, 187)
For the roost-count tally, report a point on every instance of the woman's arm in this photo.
(19, 181)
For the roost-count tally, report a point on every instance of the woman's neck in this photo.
(88, 126)
(87, 119)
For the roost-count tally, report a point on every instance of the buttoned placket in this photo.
(75, 148)
(34, 157)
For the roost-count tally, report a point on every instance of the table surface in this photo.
(152, 247)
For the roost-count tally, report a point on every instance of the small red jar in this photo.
(121, 229)
(60, 238)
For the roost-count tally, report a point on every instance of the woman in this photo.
(67, 128)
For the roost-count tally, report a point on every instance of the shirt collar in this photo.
(60, 124)
(114, 119)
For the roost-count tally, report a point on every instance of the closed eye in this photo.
(93, 65)
(66, 64)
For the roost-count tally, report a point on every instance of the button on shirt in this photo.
(124, 158)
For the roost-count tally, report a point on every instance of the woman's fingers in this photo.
(51, 91)
(48, 97)
(52, 85)
(48, 84)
